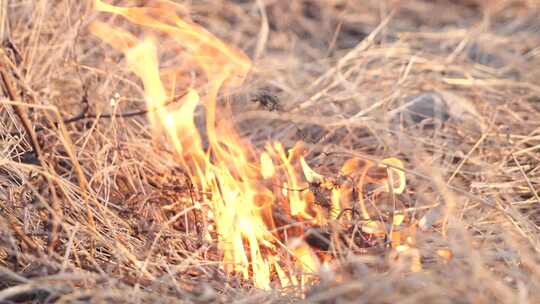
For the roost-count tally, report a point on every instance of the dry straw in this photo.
(102, 213)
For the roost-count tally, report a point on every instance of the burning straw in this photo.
(244, 187)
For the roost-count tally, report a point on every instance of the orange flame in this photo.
(245, 186)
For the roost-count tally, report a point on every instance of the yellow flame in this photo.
(396, 174)
(240, 205)
(267, 166)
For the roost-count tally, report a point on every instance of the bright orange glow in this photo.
(306, 260)
(245, 186)
(445, 254)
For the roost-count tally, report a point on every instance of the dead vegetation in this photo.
(95, 209)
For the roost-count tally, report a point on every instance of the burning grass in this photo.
(416, 178)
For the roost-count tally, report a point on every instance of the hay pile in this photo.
(101, 213)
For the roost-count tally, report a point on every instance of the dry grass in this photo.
(104, 215)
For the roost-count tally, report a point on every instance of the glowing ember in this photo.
(246, 187)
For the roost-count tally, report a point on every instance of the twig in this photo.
(83, 115)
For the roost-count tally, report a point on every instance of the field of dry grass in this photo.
(94, 208)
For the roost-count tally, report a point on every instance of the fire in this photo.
(247, 187)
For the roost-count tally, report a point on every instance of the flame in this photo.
(246, 187)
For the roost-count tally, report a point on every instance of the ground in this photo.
(452, 88)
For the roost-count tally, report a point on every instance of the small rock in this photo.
(29, 158)
(432, 108)
(479, 54)
(434, 216)
(418, 108)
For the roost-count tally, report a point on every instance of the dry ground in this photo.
(97, 218)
